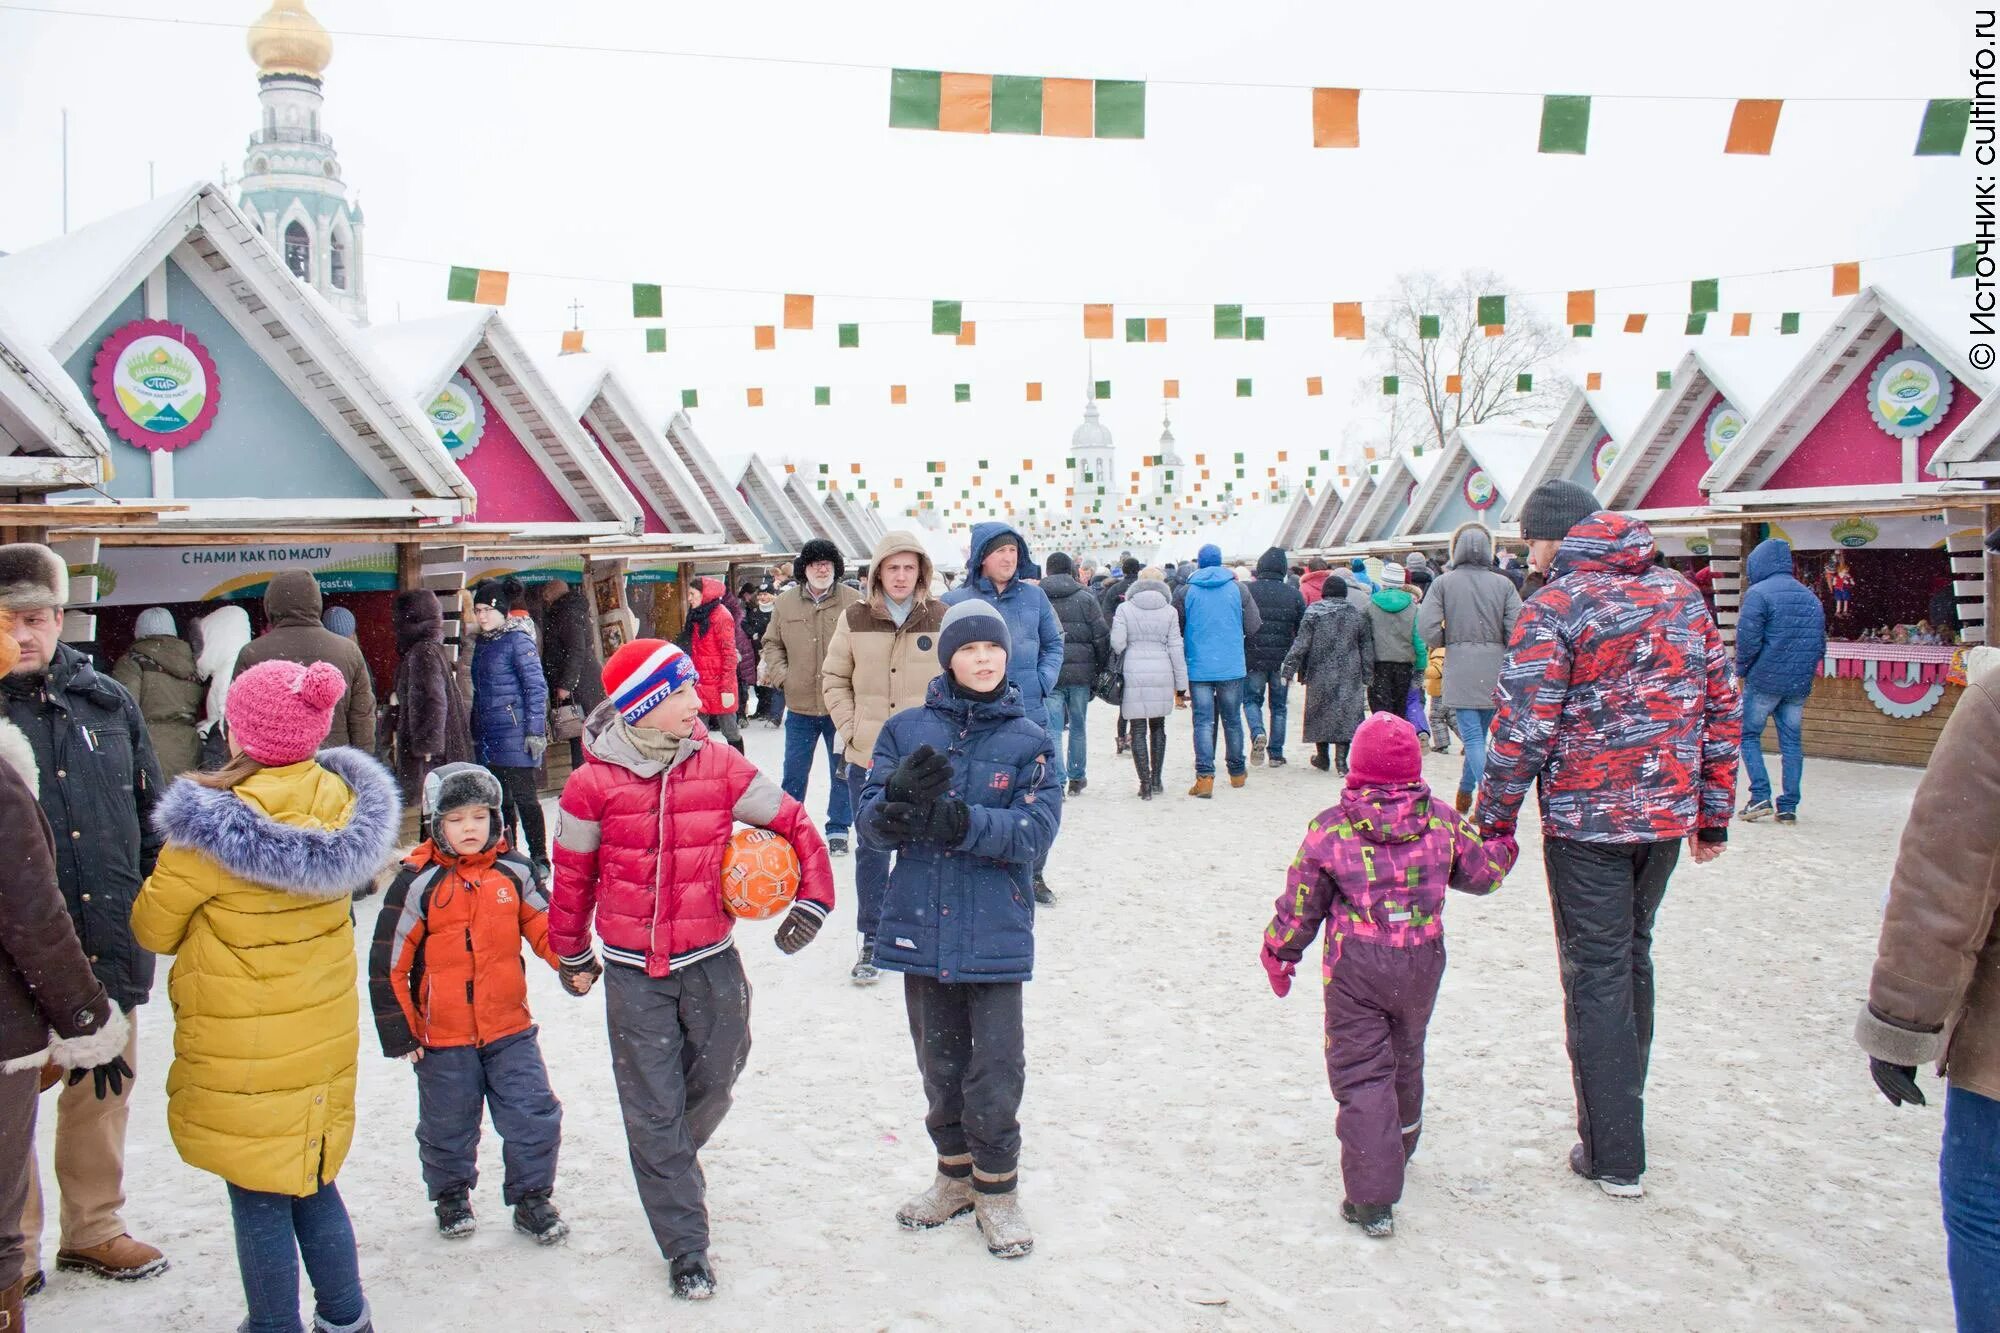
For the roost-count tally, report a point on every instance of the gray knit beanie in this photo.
(1553, 508)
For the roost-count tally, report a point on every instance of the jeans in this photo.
(273, 1231)
(1758, 707)
(804, 733)
(1256, 686)
(871, 867)
(1474, 724)
(1969, 1181)
(1213, 697)
(1066, 709)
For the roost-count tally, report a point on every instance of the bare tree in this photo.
(1422, 412)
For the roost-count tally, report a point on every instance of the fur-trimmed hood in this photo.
(18, 754)
(315, 859)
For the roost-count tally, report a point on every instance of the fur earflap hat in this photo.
(32, 578)
(450, 787)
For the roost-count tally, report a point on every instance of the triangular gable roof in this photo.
(769, 505)
(595, 394)
(1744, 374)
(424, 354)
(738, 526)
(1366, 483)
(852, 542)
(1851, 345)
(1327, 509)
(1298, 514)
(1388, 479)
(42, 411)
(806, 501)
(1504, 452)
(61, 291)
(1586, 415)
(860, 517)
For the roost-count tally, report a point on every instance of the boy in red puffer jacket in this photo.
(710, 638)
(640, 835)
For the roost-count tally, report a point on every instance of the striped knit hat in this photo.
(641, 675)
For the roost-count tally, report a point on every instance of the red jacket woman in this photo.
(711, 641)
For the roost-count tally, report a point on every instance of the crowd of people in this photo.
(239, 824)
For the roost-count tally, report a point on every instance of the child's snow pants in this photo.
(1378, 1005)
(456, 1084)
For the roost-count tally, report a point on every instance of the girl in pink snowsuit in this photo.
(1375, 868)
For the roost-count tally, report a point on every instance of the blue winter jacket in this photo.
(1216, 614)
(1037, 643)
(510, 696)
(1781, 629)
(967, 913)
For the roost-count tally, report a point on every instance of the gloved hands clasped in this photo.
(915, 806)
(921, 778)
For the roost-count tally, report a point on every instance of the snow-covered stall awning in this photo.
(496, 410)
(765, 494)
(1714, 396)
(1584, 443)
(257, 400)
(1868, 406)
(1477, 475)
(49, 437)
(616, 419)
(1397, 480)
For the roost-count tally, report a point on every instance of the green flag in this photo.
(1788, 322)
(689, 398)
(1017, 104)
(1391, 385)
(1102, 390)
(1705, 296)
(1943, 131)
(1229, 321)
(914, 98)
(646, 301)
(1428, 326)
(850, 335)
(1565, 124)
(1135, 330)
(656, 340)
(822, 395)
(1663, 379)
(1696, 324)
(1965, 260)
(1524, 384)
(1492, 310)
(962, 393)
(1243, 388)
(1253, 329)
(948, 317)
(1581, 331)
(1121, 109)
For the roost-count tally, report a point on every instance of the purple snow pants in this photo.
(1378, 1005)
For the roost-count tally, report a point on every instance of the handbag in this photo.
(1110, 687)
(566, 722)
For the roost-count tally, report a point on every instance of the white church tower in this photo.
(1093, 460)
(1168, 477)
(291, 185)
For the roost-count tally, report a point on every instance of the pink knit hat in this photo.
(1384, 753)
(280, 712)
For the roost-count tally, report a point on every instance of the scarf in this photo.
(899, 611)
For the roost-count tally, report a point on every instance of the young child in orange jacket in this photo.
(450, 996)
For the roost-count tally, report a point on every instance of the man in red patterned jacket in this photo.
(641, 832)
(1616, 697)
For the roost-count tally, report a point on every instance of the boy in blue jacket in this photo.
(966, 792)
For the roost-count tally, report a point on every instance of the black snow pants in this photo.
(972, 1053)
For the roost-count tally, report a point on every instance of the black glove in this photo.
(946, 822)
(592, 969)
(799, 928)
(1897, 1082)
(899, 822)
(114, 1074)
(921, 778)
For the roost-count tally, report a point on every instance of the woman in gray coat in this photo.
(1334, 655)
(1147, 630)
(1470, 612)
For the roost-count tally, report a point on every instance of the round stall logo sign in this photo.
(1602, 455)
(1909, 393)
(156, 385)
(1725, 423)
(1854, 532)
(458, 414)
(1479, 492)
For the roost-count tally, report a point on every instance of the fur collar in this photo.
(316, 863)
(19, 755)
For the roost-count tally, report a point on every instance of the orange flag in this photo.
(1453, 384)
(1635, 323)
(1069, 109)
(1336, 117)
(1034, 391)
(1097, 321)
(1846, 279)
(1170, 388)
(1313, 386)
(967, 333)
(766, 337)
(899, 393)
(1156, 330)
(1739, 324)
(754, 397)
(1348, 321)
(1753, 126)
(1594, 380)
(572, 341)
(1582, 307)
(965, 103)
(798, 311)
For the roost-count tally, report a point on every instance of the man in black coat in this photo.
(569, 653)
(1086, 652)
(1282, 607)
(99, 781)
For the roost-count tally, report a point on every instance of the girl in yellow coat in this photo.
(251, 895)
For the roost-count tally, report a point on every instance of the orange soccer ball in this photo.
(760, 874)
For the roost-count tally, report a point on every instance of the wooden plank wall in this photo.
(1842, 723)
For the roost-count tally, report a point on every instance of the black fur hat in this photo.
(814, 551)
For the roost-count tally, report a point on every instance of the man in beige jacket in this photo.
(1935, 995)
(882, 659)
(803, 620)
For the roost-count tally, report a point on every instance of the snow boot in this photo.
(1124, 744)
(1462, 802)
(536, 1216)
(454, 1214)
(693, 1279)
(10, 1305)
(1076, 786)
(1376, 1220)
(1145, 789)
(1044, 895)
(836, 845)
(947, 1198)
(32, 1284)
(1618, 1187)
(1002, 1223)
(864, 973)
(1340, 760)
(1260, 747)
(1238, 779)
(1320, 760)
(1204, 786)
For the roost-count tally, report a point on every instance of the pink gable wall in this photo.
(1847, 448)
(1680, 485)
(654, 523)
(511, 485)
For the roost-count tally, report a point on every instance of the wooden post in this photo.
(409, 566)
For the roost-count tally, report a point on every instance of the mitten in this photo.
(1897, 1082)
(946, 821)
(922, 777)
(899, 822)
(536, 745)
(1278, 971)
(590, 968)
(799, 927)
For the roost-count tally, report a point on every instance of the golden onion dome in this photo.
(288, 40)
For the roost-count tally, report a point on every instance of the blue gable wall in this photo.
(264, 443)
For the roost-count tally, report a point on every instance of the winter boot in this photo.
(1462, 802)
(454, 1214)
(32, 1284)
(1618, 1187)
(1159, 762)
(1076, 786)
(864, 973)
(693, 1279)
(1377, 1220)
(1002, 1223)
(1340, 760)
(1320, 760)
(1277, 761)
(536, 1216)
(948, 1197)
(1260, 746)
(1124, 743)
(1044, 895)
(1238, 779)
(10, 1305)
(1204, 787)
(836, 845)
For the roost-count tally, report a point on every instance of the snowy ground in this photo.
(1180, 1168)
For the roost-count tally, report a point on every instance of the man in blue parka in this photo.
(1780, 642)
(1035, 657)
(1217, 616)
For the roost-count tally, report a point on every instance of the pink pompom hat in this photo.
(280, 712)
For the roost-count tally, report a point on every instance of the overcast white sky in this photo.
(787, 177)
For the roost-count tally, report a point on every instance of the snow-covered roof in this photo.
(42, 411)
(1348, 515)
(1585, 414)
(765, 494)
(61, 291)
(717, 489)
(576, 377)
(852, 539)
(1298, 517)
(806, 500)
(605, 402)
(1502, 450)
(424, 354)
